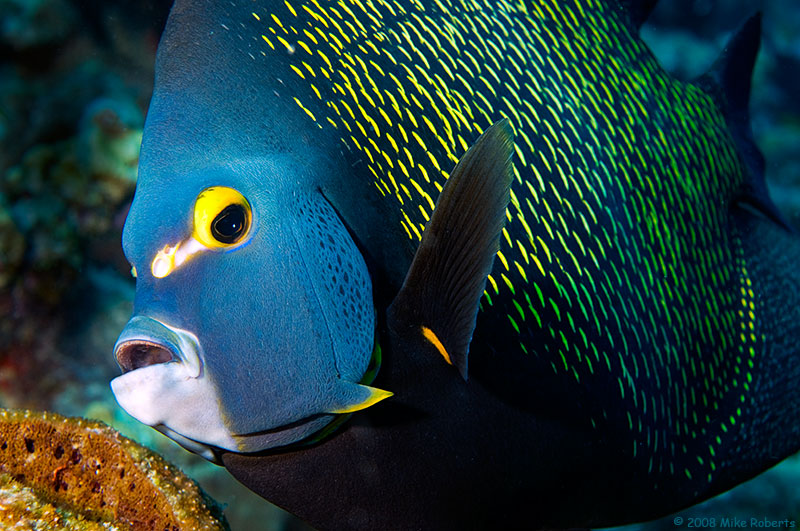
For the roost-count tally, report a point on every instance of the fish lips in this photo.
(146, 341)
(164, 385)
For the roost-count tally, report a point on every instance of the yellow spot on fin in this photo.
(374, 395)
(431, 336)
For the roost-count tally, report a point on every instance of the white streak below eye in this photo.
(171, 258)
(164, 262)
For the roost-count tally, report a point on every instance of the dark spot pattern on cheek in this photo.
(344, 288)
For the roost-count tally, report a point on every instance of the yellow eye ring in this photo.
(222, 217)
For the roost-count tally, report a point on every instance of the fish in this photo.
(407, 264)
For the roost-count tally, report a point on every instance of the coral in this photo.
(22, 509)
(63, 472)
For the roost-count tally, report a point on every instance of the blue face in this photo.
(253, 322)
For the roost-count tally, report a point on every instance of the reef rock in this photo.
(73, 473)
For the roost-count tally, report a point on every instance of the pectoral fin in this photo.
(440, 295)
(356, 397)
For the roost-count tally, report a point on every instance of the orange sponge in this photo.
(84, 471)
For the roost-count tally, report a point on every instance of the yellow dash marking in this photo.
(289, 47)
(424, 214)
(349, 110)
(386, 117)
(268, 41)
(373, 124)
(434, 162)
(297, 101)
(339, 46)
(521, 271)
(278, 21)
(423, 193)
(410, 237)
(494, 284)
(310, 69)
(508, 282)
(525, 225)
(403, 168)
(311, 36)
(424, 173)
(538, 264)
(431, 337)
(361, 128)
(412, 118)
(369, 154)
(395, 106)
(410, 224)
(505, 231)
(419, 140)
(290, 8)
(305, 47)
(400, 128)
(256, 16)
(410, 158)
(388, 161)
(429, 124)
(502, 258)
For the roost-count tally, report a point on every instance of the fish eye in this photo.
(229, 224)
(222, 217)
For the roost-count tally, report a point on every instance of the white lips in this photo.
(176, 394)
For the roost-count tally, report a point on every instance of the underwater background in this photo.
(75, 81)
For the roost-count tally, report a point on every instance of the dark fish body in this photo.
(634, 349)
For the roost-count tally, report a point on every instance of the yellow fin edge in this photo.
(375, 396)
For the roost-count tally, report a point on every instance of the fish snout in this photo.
(164, 385)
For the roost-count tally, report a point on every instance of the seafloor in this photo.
(75, 80)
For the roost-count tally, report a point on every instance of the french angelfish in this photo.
(370, 344)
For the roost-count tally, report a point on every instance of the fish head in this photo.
(253, 322)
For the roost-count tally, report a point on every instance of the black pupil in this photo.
(229, 224)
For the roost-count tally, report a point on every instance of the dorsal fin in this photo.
(729, 81)
(638, 10)
(438, 303)
(729, 78)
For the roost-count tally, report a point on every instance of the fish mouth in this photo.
(145, 342)
(135, 354)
